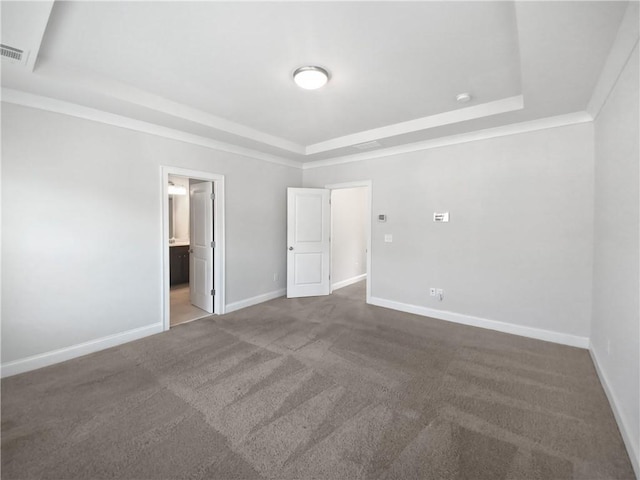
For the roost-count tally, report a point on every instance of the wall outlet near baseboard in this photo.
(437, 292)
(276, 277)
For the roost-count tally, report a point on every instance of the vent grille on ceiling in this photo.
(11, 53)
(367, 145)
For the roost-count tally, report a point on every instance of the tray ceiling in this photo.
(222, 70)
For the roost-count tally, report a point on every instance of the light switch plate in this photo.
(441, 217)
(388, 238)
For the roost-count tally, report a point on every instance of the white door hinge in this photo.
(213, 244)
(213, 292)
(213, 196)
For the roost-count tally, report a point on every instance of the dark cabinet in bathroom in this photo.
(179, 264)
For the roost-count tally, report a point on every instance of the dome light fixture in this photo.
(311, 77)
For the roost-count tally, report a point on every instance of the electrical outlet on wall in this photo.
(432, 292)
(276, 277)
(440, 294)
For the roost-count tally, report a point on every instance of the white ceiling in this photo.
(222, 70)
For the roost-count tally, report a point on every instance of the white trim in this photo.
(249, 302)
(632, 448)
(56, 356)
(531, 332)
(369, 186)
(86, 80)
(511, 129)
(348, 281)
(24, 99)
(446, 118)
(356, 184)
(219, 265)
(619, 55)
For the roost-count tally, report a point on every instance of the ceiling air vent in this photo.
(12, 54)
(367, 145)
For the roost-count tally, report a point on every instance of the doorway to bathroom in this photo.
(193, 241)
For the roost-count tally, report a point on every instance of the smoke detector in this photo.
(463, 97)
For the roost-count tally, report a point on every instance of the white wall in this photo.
(615, 330)
(348, 234)
(181, 210)
(81, 227)
(518, 248)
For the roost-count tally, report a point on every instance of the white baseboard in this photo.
(56, 356)
(248, 302)
(538, 333)
(348, 281)
(632, 447)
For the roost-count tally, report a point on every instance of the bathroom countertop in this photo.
(179, 244)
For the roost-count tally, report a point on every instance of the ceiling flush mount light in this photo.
(463, 97)
(177, 189)
(310, 78)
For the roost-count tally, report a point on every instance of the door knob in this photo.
(290, 248)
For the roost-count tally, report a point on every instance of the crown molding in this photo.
(91, 82)
(504, 105)
(623, 47)
(512, 129)
(25, 99)
(86, 81)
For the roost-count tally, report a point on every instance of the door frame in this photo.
(219, 274)
(356, 184)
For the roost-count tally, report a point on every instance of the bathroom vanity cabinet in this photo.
(179, 264)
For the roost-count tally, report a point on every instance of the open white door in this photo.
(201, 251)
(309, 252)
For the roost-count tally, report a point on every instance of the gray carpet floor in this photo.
(315, 388)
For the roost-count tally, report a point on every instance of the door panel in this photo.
(308, 268)
(201, 240)
(308, 230)
(308, 221)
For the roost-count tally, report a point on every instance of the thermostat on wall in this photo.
(382, 217)
(441, 217)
